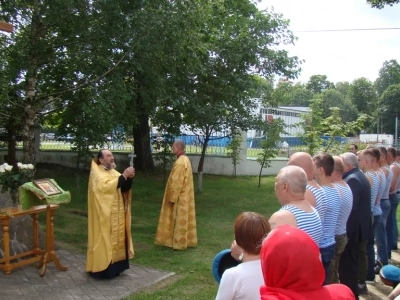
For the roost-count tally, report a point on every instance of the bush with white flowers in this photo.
(12, 178)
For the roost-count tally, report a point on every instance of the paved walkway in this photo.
(379, 291)
(26, 283)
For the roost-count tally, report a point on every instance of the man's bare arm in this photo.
(310, 198)
(282, 217)
(393, 184)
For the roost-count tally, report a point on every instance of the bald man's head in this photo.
(180, 144)
(304, 161)
(339, 165)
(295, 177)
(178, 148)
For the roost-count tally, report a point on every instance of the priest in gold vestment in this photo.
(177, 224)
(109, 218)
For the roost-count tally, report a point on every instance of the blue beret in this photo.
(223, 261)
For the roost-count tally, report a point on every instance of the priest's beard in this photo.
(111, 166)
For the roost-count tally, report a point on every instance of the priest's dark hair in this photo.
(99, 155)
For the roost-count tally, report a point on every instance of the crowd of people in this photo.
(337, 212)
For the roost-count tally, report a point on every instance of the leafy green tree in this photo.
(333, 98)
(264, 87)
(389, 104)
(301, 96)
(381, 3)
(334, 127)
(129, 58)
(311, 125)
(239, 46)
(319, 83)
(344, 88)
(315, 125)
(57, 48)
(289, 94)
(363, 95)
(176, 38)
(163, 148)
(281, 95)
(389, 74)
(233, 149)
(272, 131)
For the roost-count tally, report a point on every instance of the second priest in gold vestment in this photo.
(177, 224)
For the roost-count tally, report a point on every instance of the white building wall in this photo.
(385, 139)
(291, 116)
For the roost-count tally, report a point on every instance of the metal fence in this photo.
(216, 146)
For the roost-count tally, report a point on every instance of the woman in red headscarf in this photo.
(293, 270)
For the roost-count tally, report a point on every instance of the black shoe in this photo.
(378, 267)
(362, 289)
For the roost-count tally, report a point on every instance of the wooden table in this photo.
(43, 257)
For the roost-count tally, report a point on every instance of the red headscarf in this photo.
(293, 270)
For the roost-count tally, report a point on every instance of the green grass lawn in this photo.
(223, 198)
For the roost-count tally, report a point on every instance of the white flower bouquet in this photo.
(12, 178)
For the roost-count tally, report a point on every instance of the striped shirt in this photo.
(320, 201)
(375, 208)
(382, 184)
(388, 182)
(308, 222)
(331, 216)
(345, 208)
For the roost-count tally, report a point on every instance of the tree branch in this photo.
(15, 104)
(64, 45)
(51, 111)
(87, 83)
(50, 101)
(6, 48)
(4, 115)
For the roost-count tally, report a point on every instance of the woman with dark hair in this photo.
(244, 281)
(292, 268)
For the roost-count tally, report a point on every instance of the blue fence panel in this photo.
(215, 141)
(254, 142)
(292, 141)
(187, 139)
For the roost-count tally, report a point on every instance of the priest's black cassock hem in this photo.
(112, 270)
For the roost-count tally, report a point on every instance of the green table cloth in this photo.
(30, 195)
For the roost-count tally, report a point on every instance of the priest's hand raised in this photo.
(129, 172)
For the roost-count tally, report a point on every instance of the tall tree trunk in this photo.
(259, 175)
(28, 130)
(201, 165)
(141, 141)
(11, 156)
